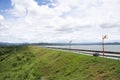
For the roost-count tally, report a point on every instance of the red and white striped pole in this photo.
(103, 37)
(70, 44)
(103, 45)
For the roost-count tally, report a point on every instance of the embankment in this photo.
(34, 63)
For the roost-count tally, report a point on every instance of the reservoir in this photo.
(113, 48)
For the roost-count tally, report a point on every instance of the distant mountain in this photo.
(110, 43)
(4, 44)
(10, 44)
(114, 43)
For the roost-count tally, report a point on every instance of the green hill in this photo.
(34, 63)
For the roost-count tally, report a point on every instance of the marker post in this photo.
(103, 37)
(70, 44)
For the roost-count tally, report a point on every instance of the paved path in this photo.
(112, 55)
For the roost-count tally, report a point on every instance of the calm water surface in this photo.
(115, 48)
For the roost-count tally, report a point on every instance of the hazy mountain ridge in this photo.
(9, 44)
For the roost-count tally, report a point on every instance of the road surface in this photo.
(107, 54)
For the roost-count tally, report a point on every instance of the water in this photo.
(114, 48)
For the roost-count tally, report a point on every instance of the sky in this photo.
(59, 21)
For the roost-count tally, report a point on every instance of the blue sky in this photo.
(59, 20)
(43, 2)
(5, 4)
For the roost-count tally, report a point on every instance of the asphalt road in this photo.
(112, 55)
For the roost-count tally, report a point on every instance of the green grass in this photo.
(34, 63)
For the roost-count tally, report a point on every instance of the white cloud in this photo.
(1, 17)
(79, 20)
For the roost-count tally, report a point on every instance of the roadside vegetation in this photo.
(34, 63)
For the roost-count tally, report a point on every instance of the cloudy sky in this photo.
(59, 20)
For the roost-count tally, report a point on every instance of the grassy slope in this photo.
(33, 63)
